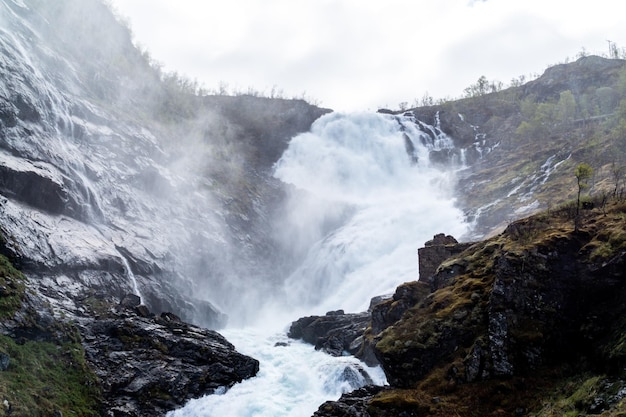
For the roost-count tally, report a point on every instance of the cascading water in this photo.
(131, 277)
(359, 164)
(364, 200)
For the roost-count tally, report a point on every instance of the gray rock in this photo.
(334, 333)
(5, 361)
(155, 364)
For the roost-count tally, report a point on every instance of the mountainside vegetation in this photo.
(522, 144)
(527, 323)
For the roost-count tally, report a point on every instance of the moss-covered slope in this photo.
(531, 322)
(43, 371)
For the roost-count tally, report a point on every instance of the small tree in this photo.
(582, 173)
(618, 174)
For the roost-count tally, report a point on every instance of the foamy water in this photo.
(362, 208)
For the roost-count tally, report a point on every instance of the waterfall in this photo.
(131, 277)
(364, 199)
(358, 164)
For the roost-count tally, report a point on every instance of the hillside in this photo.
(133, 204)
(522, 144)
(527, 323)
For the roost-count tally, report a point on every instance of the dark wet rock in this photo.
(155, 364)
(353, 404)
(334, 333)
(406, 296)
(130, 301)
(511, 312)
(5, 361)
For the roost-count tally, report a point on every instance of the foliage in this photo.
(538, 118)
(583, 173)
(482, 87)
(566, 107)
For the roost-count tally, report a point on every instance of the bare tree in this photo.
(582, 173)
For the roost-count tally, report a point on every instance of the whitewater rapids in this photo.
(365, 198)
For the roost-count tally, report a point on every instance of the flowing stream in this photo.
(365, 198)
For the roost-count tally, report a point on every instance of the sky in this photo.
(356, 55)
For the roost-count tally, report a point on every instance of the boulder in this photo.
(352, 404)
(156, 364)
(334, 333)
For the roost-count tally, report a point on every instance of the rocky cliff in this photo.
(529, 322)
(118, 180)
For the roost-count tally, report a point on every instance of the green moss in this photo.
(398, 401)
(13, 288)
(573, 397)
(43, 377)
(97, 305)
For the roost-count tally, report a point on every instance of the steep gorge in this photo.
(116, 179)
(119, 181)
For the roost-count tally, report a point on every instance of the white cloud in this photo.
(360, 54)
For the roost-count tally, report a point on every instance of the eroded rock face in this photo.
(334, 333)
(108, 181)
(156, 364)
(512, 311)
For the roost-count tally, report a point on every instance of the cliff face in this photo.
(514, 325)
(117, 179)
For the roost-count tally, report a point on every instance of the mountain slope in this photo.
(529, 322)
(522, 144)
(129, 202)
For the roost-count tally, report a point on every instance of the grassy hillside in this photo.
(530, 322)
(43, 371)
(522, 144)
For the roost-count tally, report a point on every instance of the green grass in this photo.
(44, 377)
(12, 287)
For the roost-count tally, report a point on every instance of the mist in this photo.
(239, 213)
(215, 204)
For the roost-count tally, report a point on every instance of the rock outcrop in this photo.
(335, 333)
(155, 364)
(510, 319)
(434, 252)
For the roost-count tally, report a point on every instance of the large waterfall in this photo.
(365, 197)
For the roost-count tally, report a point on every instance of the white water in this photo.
(362, 209)
(131, 277)
(293, 380)
(359, 163)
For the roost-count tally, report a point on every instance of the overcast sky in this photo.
(364, 54)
